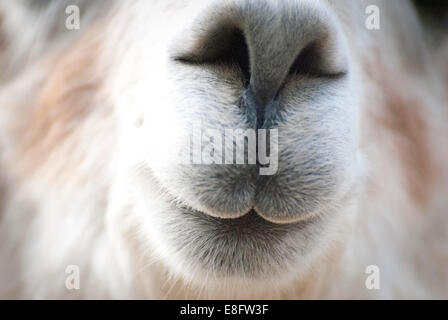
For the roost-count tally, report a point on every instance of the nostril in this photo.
(221, 46)
(264, 45)
(314, 61)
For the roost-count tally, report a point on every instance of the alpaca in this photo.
(92, 121)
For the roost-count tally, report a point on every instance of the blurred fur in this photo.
(80, 184)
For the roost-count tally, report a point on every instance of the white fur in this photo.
(107, 215)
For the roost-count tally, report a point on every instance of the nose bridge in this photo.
(276, 32)
(269, 53)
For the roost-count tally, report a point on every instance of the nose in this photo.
(270, 45)
(269, 40)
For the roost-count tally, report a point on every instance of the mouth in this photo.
(197, 245)
(248, 246)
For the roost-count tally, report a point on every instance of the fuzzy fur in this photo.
(90, 123)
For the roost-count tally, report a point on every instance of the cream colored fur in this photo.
(75, 189)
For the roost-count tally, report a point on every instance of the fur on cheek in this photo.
(67, 109)
(398, 117)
